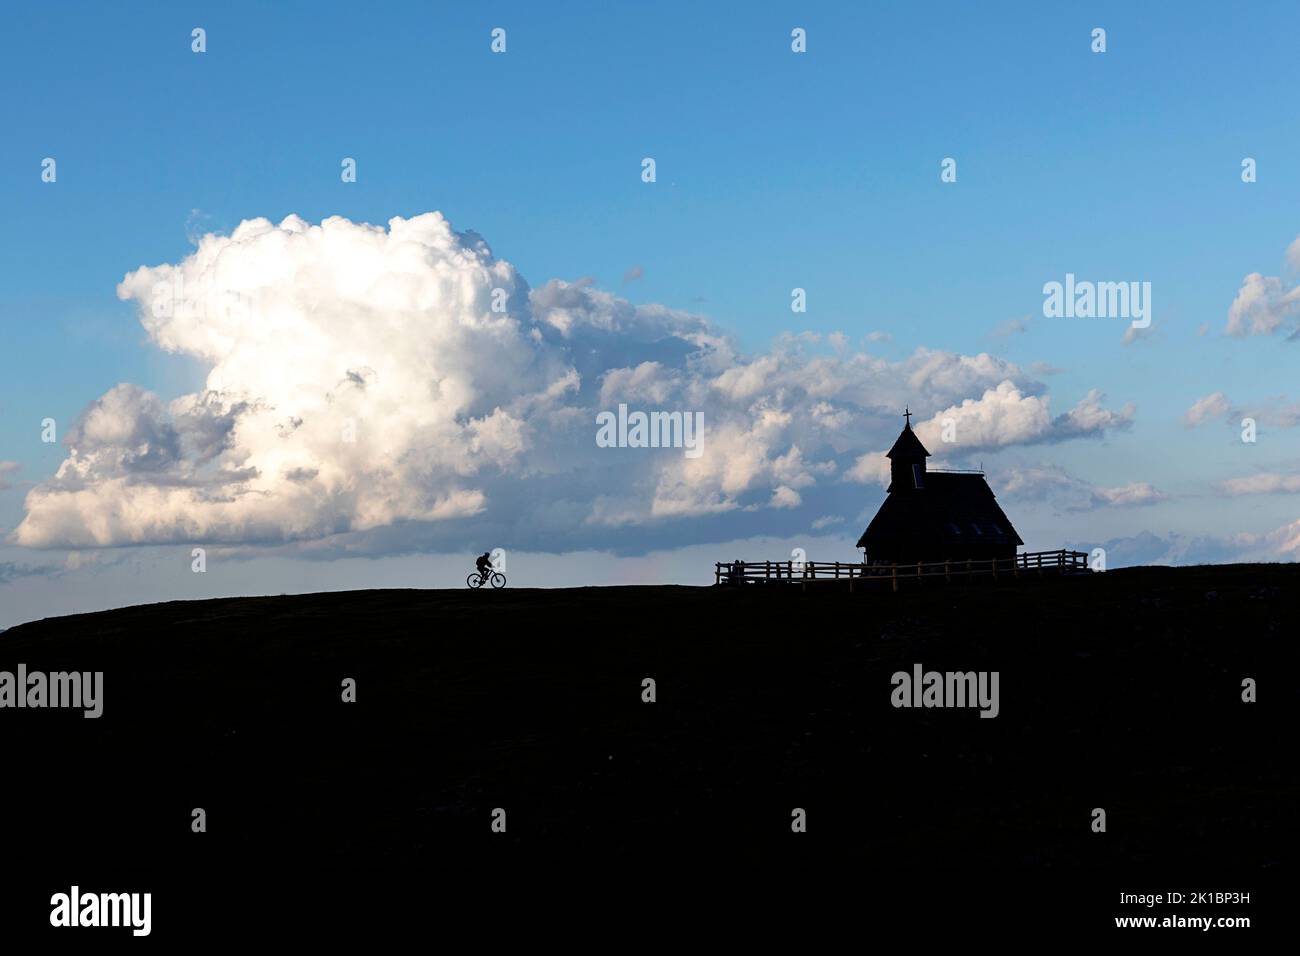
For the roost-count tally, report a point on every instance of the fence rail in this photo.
(1034, 563)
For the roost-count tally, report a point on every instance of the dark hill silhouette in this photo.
(1119, 690)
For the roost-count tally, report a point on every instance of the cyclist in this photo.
(484, 565)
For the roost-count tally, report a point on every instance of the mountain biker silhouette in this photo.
(486, 573)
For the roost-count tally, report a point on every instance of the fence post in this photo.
(995, 570)
(968, 571)
(918, 574)
(767, 570)
(894, 572)
(947, 575)
(717, 574)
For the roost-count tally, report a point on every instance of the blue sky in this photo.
(774, 171)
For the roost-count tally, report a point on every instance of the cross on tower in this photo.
(907, 415)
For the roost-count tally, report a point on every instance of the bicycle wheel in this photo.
(474, 581)
(498, 579)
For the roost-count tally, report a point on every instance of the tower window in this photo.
(916, 477)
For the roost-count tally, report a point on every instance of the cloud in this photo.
(874, 337)
(372, 360)
(785, 497)
(1051, 483)
(1265, 483)
(1130, 495)
(1212, 406)
(1279, 544)
(1005, 416)
(379, 390)
(8, 468)
(1088, 419)
(1277, 412)
(649, 383)
(632, 274)
(1264, 305)
(1002, 417)
(11, 571)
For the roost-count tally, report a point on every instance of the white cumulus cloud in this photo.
(1003, 416)
(1264, 305)
(376, 390)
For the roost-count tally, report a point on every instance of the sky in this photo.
(298, 306)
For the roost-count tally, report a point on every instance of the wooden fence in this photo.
(1035, 563)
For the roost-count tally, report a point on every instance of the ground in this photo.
(1120, 690)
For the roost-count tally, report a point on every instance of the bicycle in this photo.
(495, 578)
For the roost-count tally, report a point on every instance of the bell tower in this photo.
(907, 459)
